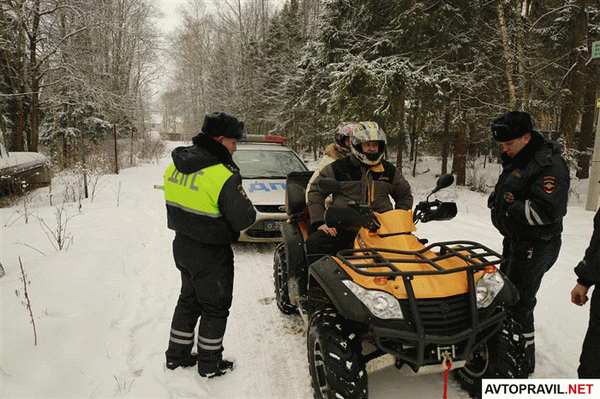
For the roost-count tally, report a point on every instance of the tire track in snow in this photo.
(267, 345)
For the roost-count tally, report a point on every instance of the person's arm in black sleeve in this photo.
(588, 270)
(234, 204)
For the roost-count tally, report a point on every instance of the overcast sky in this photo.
(171, 17)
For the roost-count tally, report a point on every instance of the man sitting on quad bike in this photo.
(365, 178)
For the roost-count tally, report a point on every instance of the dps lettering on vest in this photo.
(185, 191)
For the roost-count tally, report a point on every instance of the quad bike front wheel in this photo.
(336, 365)
(502, 356)
(282, 295)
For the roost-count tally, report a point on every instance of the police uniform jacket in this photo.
(530, 198)
(365, 185)
(204, 195)
(588, 270)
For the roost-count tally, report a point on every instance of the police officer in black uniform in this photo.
(207, 207)
(527, 206)
(588, 275)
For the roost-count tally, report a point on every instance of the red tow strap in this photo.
(447, 363)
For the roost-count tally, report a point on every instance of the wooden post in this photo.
(83, 168)
(131, 152)
(116, 151)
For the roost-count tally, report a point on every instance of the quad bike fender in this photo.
(295, 256)
(509, 295)
(327, 273)
(295, 253)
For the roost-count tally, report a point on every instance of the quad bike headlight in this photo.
(487, 287)
(380, 303)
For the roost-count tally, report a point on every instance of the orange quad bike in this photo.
(426, 305)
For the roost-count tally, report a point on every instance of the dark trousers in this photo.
(319, 243)
(589, 361)
(206, 294)
(525, 263)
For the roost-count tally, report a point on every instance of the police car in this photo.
(264, 163)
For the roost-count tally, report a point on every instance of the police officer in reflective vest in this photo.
(527, 206)
(207, 207)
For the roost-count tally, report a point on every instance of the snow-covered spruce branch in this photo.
(28, 303)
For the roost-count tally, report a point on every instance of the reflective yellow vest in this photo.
(197, 192)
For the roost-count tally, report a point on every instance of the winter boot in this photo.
(216, 369)
(529, 358)
(189, 362)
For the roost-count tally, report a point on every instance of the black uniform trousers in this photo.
(525, 263)
(206, 294)
(589, 361)
(319, 243)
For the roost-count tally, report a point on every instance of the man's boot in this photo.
(210, 370)
(529, 356)
(188, 362)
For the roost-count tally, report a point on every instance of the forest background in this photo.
(432, 73)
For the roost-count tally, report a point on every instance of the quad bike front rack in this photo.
(476, 256)
(385, 262)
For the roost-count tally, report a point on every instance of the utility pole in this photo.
(594, 185)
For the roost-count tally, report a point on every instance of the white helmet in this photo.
(367, 131)
(343, 132)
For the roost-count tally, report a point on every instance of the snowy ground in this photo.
(102, 307)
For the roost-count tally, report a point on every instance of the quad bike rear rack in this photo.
(364, 260)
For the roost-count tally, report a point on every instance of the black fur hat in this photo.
(222, 124)
(511, 125)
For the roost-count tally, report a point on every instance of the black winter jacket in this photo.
(236, 210)
(530, 198)
(365, 185)
(588, 270)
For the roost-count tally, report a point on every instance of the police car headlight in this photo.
(380, 303)
(487, 288)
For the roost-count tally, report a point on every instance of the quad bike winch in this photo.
(394, 294)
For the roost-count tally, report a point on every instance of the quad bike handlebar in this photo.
(361, 215)
(426, 211)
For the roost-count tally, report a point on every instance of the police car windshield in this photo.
(255, 164)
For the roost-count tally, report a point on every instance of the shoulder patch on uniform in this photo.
(509, 197)
(242, 192)
(549, 184)
(516, 174)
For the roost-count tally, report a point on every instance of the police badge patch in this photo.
(549, 184)
(509, 197)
